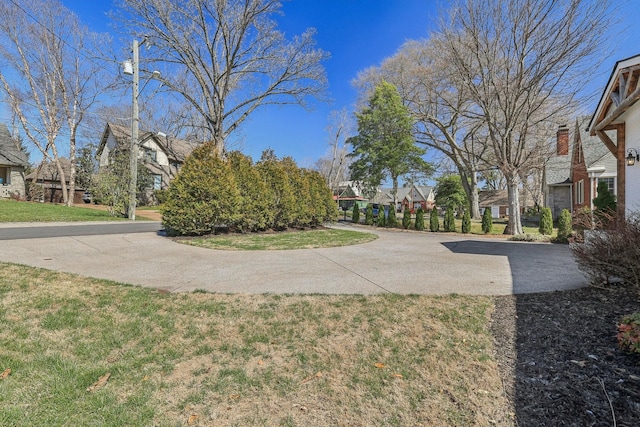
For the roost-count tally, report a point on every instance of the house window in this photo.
(157, 181)
(4, 175)
(611, 183)
(580, 192)
(150, 155)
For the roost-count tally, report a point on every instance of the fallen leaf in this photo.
(100, 383)
(580, 363)
(260, 362)
(234, 396)
(192, 419)
(379, 365)
(397, 375)
(5, 374)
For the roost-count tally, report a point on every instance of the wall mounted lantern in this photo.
(632, 156)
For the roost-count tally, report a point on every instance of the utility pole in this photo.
(135, 118)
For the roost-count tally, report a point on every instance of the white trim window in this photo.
(611, 183)
(157, 181)
(580, 192)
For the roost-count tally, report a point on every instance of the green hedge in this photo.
(211, 192)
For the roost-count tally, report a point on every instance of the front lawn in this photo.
(12, 211)
(250, 360)
(308, 239)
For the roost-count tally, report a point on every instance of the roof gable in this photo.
(175, 149)
(10, 154)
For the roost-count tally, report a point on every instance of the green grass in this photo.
(12, 211)
(321, 238)
(250, 360)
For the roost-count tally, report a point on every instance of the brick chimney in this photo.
(563, 140)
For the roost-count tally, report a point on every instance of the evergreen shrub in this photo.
(466, 222)
(434, 222)
(419, 224)
(406, 219)
(546, 222)
(564, 225)
(392, 219)
(487, 221)
(355, 215)
(381, 220)
(449, 220)
(368, 215)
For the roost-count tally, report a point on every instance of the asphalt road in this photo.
(13, 231)
(397, 262)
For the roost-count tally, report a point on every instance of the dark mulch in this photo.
(560, 361)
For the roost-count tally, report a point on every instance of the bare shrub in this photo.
(611, 253)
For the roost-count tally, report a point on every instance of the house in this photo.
(498, 202)
(13, 162)
(349, 193)
(495, 200)
(47, 176)
(410, 197)
(163, 155)
(580, 163)
(616, 122)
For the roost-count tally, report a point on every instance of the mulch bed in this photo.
(559, 358)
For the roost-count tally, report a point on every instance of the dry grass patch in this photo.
(267, 360)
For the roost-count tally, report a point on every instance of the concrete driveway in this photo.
(397, 262)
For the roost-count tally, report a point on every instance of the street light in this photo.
(133, 68)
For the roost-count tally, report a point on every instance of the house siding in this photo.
(15, 183)
(632, 178)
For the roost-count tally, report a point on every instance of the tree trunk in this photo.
(514, 226)
(470, 186)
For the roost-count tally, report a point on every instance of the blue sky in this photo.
(358, 34)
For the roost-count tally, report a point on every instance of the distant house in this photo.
(13, 162)
(163, 155)
(495, 200)
(572, 175)
(411, 197)
(350, 193)
(498, 202)
(47, 176)
(616, 123)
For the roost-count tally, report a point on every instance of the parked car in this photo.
(86, 197)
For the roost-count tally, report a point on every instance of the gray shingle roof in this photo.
(10, 154)
(176, 149)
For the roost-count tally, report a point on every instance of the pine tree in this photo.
(434, 222)
(419, 224)
(487, 221)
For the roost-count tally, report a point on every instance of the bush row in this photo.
(234, 193)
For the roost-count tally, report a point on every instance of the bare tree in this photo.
(522, 64)
(45, 45)
(438, 108)
(226, 57)
(334, 165)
